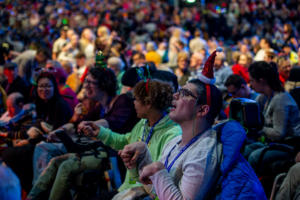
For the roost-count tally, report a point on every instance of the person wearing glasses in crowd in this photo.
(52, 112)
(152, 99)
(238, 88)
(187, 167)
(114, 111)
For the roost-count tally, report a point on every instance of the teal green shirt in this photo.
(163, 132)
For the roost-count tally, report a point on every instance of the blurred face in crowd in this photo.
(70, 33)
(182, 63)
(237, 92)
(63, 34)
(196, 60)
(45, 89)
(12, 108)
(257, 85)
(137, 60)
(286, 49)
(10, 74)
(140, 108)
(285, 68)
(41, 57)
(74, 40)
(243, 60)
(219, 60)
(263, 44)
(80, 62)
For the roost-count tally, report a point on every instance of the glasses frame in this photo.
(183, 92)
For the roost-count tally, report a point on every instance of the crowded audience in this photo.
(120, 72)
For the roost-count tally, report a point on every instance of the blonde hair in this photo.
(182, 55)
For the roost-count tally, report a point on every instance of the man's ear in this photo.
(203, 110)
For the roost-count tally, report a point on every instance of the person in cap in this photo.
(60, 42)
(188, 164)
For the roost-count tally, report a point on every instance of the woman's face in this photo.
(285, 68)
(91, 88)
(184, 103)
(45, 89)
(256, 85)
(140, 108)
(182, 63)
(243, 60)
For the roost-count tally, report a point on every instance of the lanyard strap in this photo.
(151, 130)
(193, 140)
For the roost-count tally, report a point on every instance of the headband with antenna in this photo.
(142, 76)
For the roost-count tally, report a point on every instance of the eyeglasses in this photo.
(89, 82)
(234, 93)
(45, 86)
(185, 93)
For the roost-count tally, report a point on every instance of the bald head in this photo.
(14, 103)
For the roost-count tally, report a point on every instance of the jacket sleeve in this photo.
(112, 139)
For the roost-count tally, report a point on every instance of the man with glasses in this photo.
(238, 88)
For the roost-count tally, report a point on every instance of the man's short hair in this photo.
(140, 55)
(235, 80)
(80, 55)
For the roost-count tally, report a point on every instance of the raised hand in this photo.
(150, 170)
(131, 153)
(88, 128)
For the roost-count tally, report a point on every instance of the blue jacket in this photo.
(238, 180)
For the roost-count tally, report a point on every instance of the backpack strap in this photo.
(216, 185)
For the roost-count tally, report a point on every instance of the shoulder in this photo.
(283, 98)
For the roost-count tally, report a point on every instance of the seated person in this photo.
(152, 99)
(18, 118)
(51, 109)
(280, 111)
(290, 188)
(238, 88)
(191, 158)
(189, 164)
(115, 111)
(14, 82)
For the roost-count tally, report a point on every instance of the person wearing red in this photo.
(241, 68)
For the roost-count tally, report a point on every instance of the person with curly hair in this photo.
(152, 99)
